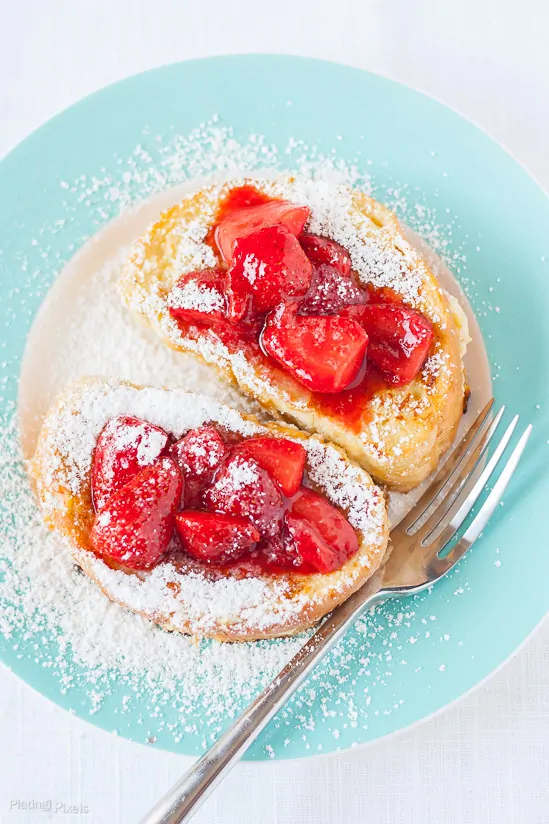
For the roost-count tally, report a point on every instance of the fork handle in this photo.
(185, 797)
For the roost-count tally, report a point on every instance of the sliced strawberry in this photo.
(198, 454)
(268, 265)
(321, 534)
(284, 460)
(215, 538)
(321, 250)
(282, 554)
(199, 297)
(125, 446)
(330, 291)
(245, 489)
(399, 339)
(324, 353)
(136, 525)
(238, 223)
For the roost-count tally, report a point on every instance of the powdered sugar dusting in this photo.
(42, 593)
(199, 297)
(252, 268)
(371, 248)
(162, 686)
(241, 473)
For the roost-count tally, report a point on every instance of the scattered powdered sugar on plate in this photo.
(57, 618)
(42, 593)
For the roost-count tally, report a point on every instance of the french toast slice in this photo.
(400, 432)
(179, 593)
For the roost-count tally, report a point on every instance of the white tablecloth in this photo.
(487, 758)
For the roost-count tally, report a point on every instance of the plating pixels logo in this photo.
(48, 806)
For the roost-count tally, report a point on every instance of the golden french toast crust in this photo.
(403, 432)
(71, 515)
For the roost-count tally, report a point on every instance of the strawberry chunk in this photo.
(215, 538)
(198, 454)
(321, 534)
(135, 527)
(322, 250)
(125, 446)
(282, 554)
(400, 339)
(243, 488)
(284, 460)
(199, 297)
(268, 265)
(240, 222)
(330, 291)
(325, 354)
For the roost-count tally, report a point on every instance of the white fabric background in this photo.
(484, 760)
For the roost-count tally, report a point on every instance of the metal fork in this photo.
(416, 561)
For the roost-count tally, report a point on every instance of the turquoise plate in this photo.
(65, 180)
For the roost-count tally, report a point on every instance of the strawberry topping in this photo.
(199, 297)
(324, 353)
(125, 446)
(268, 266)
(198, 454)
(321, 535)
(243, 488)
(322, 250)
(251, 488)
(400, 339)
(215, 538)
(237, 223)
(284, 460)
(135, 526)
(330, 291)
(278, 552)
(294, 294)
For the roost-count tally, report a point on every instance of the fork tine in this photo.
(447, 472)
(442, 565)
(462, 474)
(457, 517)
